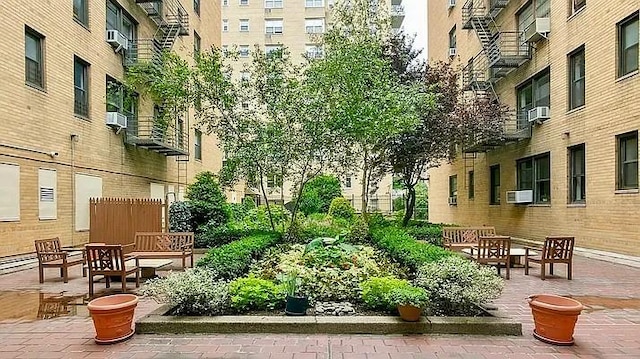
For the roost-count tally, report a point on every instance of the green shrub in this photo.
(255, 294)
(249, 203)
(376, 220)
(192, 292)
(238, 211)
(206, 201)
(408, 295)
(341, 208)
(319, 225)
(180, 217)
(318, 193)
(232, 260)
(405, 249)
(457, 285)
(399, 204)
(211, 235)
(258, 218)
(359, 231)
(430, 233)
(375, 292)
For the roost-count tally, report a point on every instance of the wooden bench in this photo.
(156, 245)
(458, 238)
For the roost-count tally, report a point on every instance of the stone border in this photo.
(158, 323)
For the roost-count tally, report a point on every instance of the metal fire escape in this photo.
(502, 52)
(167, 136)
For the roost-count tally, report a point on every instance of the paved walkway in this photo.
(609, 328)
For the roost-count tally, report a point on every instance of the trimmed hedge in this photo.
(233, 260)
(210, 236)
(405, 249)
(431, 234)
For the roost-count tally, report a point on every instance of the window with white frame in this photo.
(273, 26)
(273, 4)
(225, 2)
(269, 49)
(244, 51)
(225, 25)
(314, 51)
(244, 2)
(245, 75)
(577, 5)
(347, 182)
(244, 25)
(314, 26)
(314, 3)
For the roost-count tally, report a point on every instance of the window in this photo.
(244, 25)
(81, 11)
(225, 2)
(577, 5)
(34, 65)
(576, 78)
(472, 185)
(121, 101)
(117, 19)
(197, 43)
(453, 186)
(81, 87)
(273, 50)
(274, 180)
(494, 174)
(627, 152)
(534, 173)
(197, 145)
(10, 192)
(347, 182)
(314, 51)
(273, 4)
(628, 39)
(196, 7)
(577, 184)
(244, 2)
(534, 92)
(245, 76)
(244, 50)
(225, 25)
(273, 26)
(314, 26)
(452, 38)
(314, 3)
(245, 105)
(527, 17)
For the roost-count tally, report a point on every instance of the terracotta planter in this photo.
(409, 313)
(555, 318)
(113, 317)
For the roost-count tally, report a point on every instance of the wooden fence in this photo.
(116, 220)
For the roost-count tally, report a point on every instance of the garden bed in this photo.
(158, 322)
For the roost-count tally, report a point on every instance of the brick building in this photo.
(69, 131)
(568, 160)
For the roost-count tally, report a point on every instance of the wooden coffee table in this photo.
(517, 255)
(148, 266)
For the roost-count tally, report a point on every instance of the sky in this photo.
(415, 22)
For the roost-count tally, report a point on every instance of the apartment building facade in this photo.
(567, 163)
(298, 25)
(70, 130)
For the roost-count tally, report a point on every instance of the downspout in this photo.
(74, 139)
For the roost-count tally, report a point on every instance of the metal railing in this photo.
(476, 74)
(159, 134)
(167, 13)
(495, 6)
(507, 49)
(143, 50)
(472, 9)
(397, 10)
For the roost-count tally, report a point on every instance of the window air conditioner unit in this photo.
(453, 201)
(116, 120)
(452, 51)
(538, 114)
(524, 196)
(117, 40)
(452, 3)
(539, 29)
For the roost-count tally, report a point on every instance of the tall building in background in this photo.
(70, 130)
(297, 25)
(568, 160)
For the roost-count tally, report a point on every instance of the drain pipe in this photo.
(74, 139)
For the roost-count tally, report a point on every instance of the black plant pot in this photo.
(296, 305)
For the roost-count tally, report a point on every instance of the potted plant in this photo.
(295, 304)
(409, 300)
(113, 317)
(555, 318)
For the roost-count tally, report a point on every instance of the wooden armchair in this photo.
(108, 260)
(51, 255)
(494, 250)
(555, 250)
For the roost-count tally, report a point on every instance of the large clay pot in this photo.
(409, 313)
(113, 317)
(555, 318)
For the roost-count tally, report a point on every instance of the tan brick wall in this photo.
(608, 220)
(44, 120)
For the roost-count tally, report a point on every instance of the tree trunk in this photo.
(410, 204)
(266, 200)
(363, 206)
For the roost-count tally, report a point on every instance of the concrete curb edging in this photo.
(158, 323)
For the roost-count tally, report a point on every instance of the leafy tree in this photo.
(318, 194)
(206, 201)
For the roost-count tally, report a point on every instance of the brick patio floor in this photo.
(609, 328)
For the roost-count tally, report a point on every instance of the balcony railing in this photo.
(143, 50)
(472, 9)
(397, 10)
(508, 49)
(476, 74)
(512, 128)
(495, 6)
(159, 135)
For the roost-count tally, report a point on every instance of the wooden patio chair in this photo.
(494, 250)
(51, 255)
(109, 261)
(555, 250)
